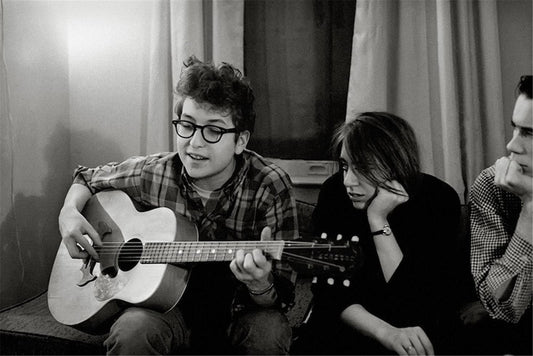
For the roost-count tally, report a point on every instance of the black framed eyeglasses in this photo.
(210, 133)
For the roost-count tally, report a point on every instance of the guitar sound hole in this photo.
(130, 254)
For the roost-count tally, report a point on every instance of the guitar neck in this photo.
(205, 251)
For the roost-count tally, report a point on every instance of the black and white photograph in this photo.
(266, 177)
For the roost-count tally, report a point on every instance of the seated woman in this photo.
(400, 298)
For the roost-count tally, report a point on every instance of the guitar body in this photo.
(81, 296)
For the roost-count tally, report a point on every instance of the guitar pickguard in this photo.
(106, 287)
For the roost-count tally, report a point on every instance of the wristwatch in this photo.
(385, 231)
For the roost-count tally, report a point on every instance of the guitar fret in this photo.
(161, 252)
(164, 253)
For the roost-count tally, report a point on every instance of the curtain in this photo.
(210, 29)
(435, 63)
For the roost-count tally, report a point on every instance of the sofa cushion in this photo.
(29, 328)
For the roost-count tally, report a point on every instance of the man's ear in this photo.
(242, 141)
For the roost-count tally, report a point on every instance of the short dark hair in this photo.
(382, 147)
(222, 89)
(524, 86)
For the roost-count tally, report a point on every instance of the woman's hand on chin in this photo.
(386, 201)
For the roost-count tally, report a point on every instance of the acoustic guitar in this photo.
(147, 257)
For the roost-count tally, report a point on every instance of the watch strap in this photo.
(385, 231)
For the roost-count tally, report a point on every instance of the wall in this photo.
(75, 77)
(107, 52)
(35, 145)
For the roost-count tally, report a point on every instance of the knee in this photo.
(139, 331)
(261, 332)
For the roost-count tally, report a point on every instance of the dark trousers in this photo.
(141, 331)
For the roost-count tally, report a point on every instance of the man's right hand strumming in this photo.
(73, 225)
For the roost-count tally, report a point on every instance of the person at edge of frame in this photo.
(501, 213)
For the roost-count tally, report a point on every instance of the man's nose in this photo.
(514, 145)
(197, 140)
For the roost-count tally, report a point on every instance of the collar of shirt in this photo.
(209, 216)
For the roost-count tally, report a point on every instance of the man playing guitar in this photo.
(230, 193)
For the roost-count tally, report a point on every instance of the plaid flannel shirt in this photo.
(258, 194)
(498, 254)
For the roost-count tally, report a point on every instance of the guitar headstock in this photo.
(331, 259)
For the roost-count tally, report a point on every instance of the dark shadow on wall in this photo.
(29, 235)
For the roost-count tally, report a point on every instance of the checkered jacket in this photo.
(498, 254)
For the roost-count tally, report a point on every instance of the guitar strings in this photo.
(170, 251)
(230, 242)
(289, 256)
(285, 244)
(187, 252)
(299, 258)
(206, 247)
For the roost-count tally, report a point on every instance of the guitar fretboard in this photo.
(205, 251)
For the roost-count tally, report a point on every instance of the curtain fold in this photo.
(448, 77)
(228, 32)
(211, 30)
(155, 133)
(435, 63)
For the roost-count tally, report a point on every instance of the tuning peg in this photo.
(355, 238)
(314, 280)
(323, 236)
(331, 281)
(339, 237)
(346, 283)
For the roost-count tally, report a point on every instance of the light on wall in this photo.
(91, 38)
